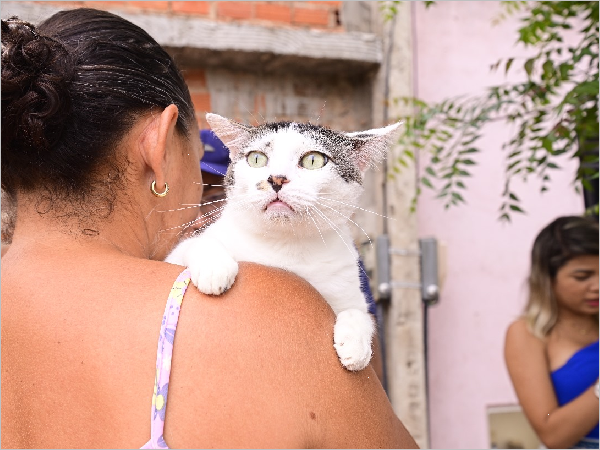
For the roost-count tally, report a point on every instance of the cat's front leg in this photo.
(352, 336)
(212, 268)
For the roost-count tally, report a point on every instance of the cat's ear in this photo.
(234, 135)
(372, 145)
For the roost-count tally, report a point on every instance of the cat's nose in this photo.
(277, 181)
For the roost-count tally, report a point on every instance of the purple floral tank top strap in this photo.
(163, 360)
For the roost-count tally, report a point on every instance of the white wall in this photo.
(455, 43)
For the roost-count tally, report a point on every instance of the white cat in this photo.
(291, 189)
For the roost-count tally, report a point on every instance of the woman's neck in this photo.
(51, 231)
(575, 326)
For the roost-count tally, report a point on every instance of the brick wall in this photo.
(303, 14)
(339, 102)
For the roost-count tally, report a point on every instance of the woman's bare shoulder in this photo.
(256, 367)
(265, 295)
(519, 334)
(522, 348)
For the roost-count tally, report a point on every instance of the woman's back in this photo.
(78, 359)
(76, 348)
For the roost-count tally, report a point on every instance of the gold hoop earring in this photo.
(159, 194)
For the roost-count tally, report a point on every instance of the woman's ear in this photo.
(155, 140)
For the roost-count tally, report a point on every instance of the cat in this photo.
(291, 189)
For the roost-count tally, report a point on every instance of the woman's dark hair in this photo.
(72, 87)
(563, 239)
(560, 241)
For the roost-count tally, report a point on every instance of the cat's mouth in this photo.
(278, 206)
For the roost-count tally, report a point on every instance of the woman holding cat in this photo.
(100, 148)
(552, 350)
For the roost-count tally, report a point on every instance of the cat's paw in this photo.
(214, 276)
(212, 268)
(352, 338)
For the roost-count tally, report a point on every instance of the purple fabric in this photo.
(163, 360)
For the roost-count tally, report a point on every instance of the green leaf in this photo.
(587, 87)
(516, 208)
(514, 153)
(426, 182)
(508, 64)
(548, 69)
(512, 165)
(458, 197)
(528, 66)
(547, 144)
(565, 70)
(470, 140)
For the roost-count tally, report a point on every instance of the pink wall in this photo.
(455, 44)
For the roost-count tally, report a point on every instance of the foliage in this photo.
(389, 9)
(553, 112)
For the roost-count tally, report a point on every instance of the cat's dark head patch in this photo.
(351, 153)
(341, 149)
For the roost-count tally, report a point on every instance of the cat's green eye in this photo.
(257, 159)
(313, 160)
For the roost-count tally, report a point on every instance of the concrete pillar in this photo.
(403, 318)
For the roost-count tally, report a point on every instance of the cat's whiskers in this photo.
(192, 205)
(150, 212)
(348, 219)
(189, 206)
(209, 184)
(252, 115)
(215, 212)
(334, 227)
(355, 207)
(321, 112)
(317, 226)
(182, 227)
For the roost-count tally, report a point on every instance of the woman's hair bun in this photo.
(72, 88)
(36, 74)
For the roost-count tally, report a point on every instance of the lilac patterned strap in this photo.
(163, 360)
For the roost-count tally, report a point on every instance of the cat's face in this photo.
(300, 176)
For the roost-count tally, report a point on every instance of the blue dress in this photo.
(573, 378)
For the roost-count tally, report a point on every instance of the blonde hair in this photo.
(560, 241)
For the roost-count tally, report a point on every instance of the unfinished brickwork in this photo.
(307, 14)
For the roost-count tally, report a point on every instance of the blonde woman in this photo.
(551, 352)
